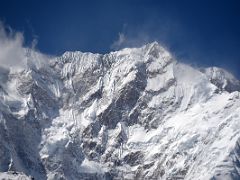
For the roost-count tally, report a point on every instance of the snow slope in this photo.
(131, 114)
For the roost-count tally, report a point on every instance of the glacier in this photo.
(136, 113)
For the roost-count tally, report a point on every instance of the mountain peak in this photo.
(134, 113)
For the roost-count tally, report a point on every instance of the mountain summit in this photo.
(136, 113)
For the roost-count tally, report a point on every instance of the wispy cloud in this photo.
(125, 40)
(14, 54)
(12, 51)
(119, 42)
(163, 30)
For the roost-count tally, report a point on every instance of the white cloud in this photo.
(12, 51)
(14, 55)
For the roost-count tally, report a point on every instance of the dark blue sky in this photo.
(203, 32)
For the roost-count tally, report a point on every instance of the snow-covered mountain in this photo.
(131, 114)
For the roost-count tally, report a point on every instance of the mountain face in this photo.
(130, 114)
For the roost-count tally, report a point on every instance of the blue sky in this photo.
(202, 33)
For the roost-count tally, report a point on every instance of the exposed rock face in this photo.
(131, 114)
